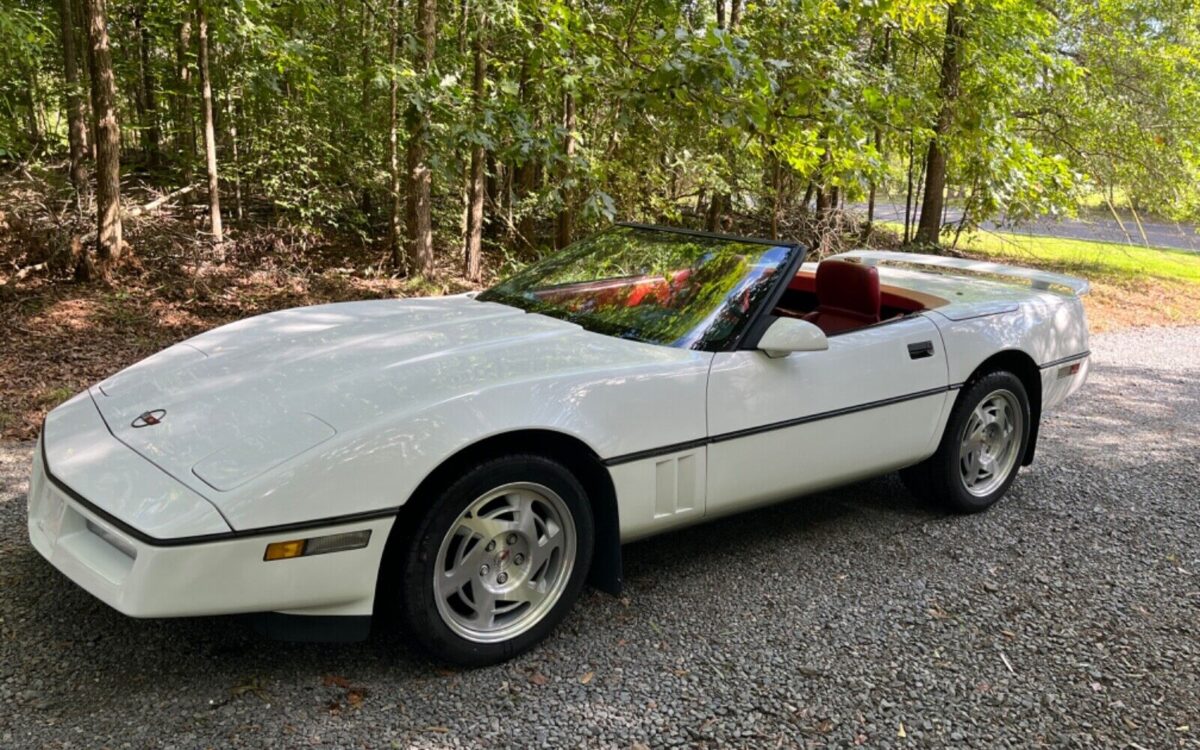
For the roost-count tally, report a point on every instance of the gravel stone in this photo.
(1066, 616)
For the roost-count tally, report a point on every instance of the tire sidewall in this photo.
(948, 456)
(418, 602)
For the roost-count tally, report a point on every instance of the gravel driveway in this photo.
(1069, 615)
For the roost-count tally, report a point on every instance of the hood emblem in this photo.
(149, 418)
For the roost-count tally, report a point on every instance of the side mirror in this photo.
(787, 335)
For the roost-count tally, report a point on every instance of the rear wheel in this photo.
(497, 561)
(980, 452)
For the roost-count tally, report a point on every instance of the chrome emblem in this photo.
(149, 418)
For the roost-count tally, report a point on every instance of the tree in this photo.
(395, 221)
(419, 219)
(473, 250)
(185, 128)
(76, 128)
(929, 226)
(149, 96)
(566, 214)
(210, 135)
(108, 146)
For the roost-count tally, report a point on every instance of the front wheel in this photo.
(981, 450)
(497, 561)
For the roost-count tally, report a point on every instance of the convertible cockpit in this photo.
(841, 296)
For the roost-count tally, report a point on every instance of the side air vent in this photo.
(675, 485)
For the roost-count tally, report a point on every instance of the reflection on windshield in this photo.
(650, 285)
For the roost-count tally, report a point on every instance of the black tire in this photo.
(419, 604)
(939, 479)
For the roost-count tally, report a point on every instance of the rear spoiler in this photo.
(1038, 279)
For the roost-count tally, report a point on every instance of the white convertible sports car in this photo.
(471, 461)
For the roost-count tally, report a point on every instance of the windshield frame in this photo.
(756, 322)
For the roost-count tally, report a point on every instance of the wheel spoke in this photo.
(542, 549)
(486, 528)
(467, 565)
(526, 517)
(525, 593)
(485, 608)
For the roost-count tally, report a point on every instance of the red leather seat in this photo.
(847, 296)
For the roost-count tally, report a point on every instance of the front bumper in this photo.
(143, 577)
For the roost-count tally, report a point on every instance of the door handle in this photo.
(920, 350)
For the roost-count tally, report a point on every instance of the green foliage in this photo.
(1057, 98)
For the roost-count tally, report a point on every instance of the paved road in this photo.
(1067, 616)
(1097, 228)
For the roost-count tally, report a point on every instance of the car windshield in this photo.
(654, 285)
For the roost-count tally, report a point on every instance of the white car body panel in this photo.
(749, 393)
(325, 419)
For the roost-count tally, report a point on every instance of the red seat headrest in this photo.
(848, 287)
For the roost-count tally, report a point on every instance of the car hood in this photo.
(231, 404)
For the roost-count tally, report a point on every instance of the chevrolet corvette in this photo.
(470, 462)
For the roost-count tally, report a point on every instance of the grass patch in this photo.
(1093, 260)
(1131, 285)
(1083, 257)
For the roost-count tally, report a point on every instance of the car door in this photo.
(781, 427)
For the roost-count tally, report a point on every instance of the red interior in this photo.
(847, 300)
(847, 296)
(807, 283)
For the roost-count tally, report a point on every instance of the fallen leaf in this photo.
(354, 698)
(587, 677)
(680, 672)
(333, 680)
(1097, 687)
(537, 678)
(437, 730)
(900, 731)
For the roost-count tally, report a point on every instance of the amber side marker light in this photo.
(1068, 371)
(318, 545)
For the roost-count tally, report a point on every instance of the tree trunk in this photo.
(210, 134)
(525, 174)
(418, 211)
(395, 227)
(365, 72)
(83, 64)
(232, 119)
(76, 129)
(108, 145)
(32, 124)
(149, 98)
(473, 261)
(721, 200)
(566, 216)
(185, 127)
(930, 223)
